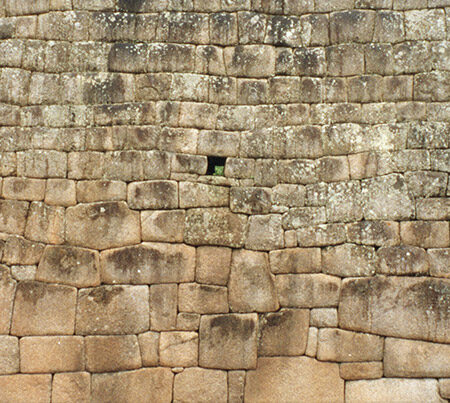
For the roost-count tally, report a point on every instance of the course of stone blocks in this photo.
(224, 201)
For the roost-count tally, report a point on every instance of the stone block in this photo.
(444, 388)
(397, 307)
(13, 216)
(71, 387)
(303, 217)
(416, 359)
(295, 260)
(351, 371)
(178, 349)
(236, 383)
(288, 195)
(148, 263)
(45, 223)
(283, 333)
(9, 355)
(23, 189)
(203, 195)
(69, 265)
(163, 226)
(349, 260)
(85, 165)
(344, 346)
(200, 385)
(287, 378)
(418, 26)
(411, 57)
(321, 235)
(389, 27)
(153, 195)
(24, 388)
(385, 389)
(284, 31)
(426, 184)
(436, 208)
(202, 298)
(264, 232)
(402, 260)
(215, 226)
(324, 317)
(42, 164)
(149, 346)
(51, 354)
(89, 225)
(439, 262)
(112, 353)
(123, 165)
(198, 115)
(21, 251)
(60, 192)
(352, 26)
(112, 306)
(250, 200)
(333, 169)
(228, 341)
(311, 346)
(307, 290)
(308, 62)
(101, 190)
(163, 306)
(213, 265)
(43, 309)
(376, 233)
(191, 164)
(250, 286)
(145, 385)
(250, 60)
(345, 60)
(7, 292)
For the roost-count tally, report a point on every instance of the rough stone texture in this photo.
(201, 385)
(351, 371)
(7, 291)
(295, 260)
(162, 226)
(264, 232)
(281, 379)
(213, 265)
(74, 386)
(163, 306)
(202, 298)
(23, 388)
(178, 349)
(9, 355)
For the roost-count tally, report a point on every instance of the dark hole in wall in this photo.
(216, 166)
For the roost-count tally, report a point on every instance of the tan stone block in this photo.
(153, 195)
(250, 200)
(250, 61)
(13, 216)
(163, 306)
(42, 164)
(436, 208)
(198, 115)
(23, 189)
(321, 235)
(26, 388)
(163, 226)
(425, 234)
(362, 165)
(101, 190)
(391, 389)
(112, 353)
(178, 349)
(265, 232)
(342, 345)
(311, 346)
(69, 265)
(9, 355)
(333, 169)
(71, 387)
(188, 321)
(200, 385)
(7, 291)
(106, 310)
(149, 347)
(51, 354)
(203, 195)
(146, 385)
(416, 359)
(397, 307)
(148, 263)
(307, 290)
(444, 388)
(45, 223)
(250, 286)
(439, 262)
(377, 233)
(401, 260)
(43, 309)
(202, 298)
(19, 250)
(60, 192)
(284, 379)
(324, 317)
(283, 333)
(89, 225)
(23, 273)
(228, 341)
(213, 265)
(351, 371)
(236, 383)
(295, 260)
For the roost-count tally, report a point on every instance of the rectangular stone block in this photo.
(295, 260)
(94, 191)
(149, 346)
(163, 226)
(199, 383)
(60, 192)
(324, 317)
(45, 223)
(439, 262)
(153, 195)
(18, 250)
(178, 349)
(250, 60)
(23, 189)
(163, 306)
(7, 292)
(321, 235)
(264, 232)
(70, 387)
(401, 260)
(202, 298)
(13, 216)
(212, 265)
(349, 260)
(351, 371)
(376, 233)
(23, 388)
(203, 195)
(9, 355)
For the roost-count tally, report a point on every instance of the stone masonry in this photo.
(224, 201)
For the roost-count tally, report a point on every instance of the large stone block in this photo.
(9, 355)
(288, 379)
(163, 306)
(349, 260)
(146, 385)
(153, 195)
(406, 307)
(148, 263)
(163, 226)
(402, 260)
(101, 190)
(26, 388)
(416, 359)
(23, 189)
(113, 310)
(45, 223)
(265, 232)
(228, 341)
(7, 291)
(215, 226)
(250, 61)
(250, 200)
(13, 216)
(213, 265)
(19, 250)
(102, 225)
(202, 298)
(376, 233)
(69, 265)
(43, 309)
(295, 260)
(203, 195)
(178, 349)
(71, 387)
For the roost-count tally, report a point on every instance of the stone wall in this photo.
(315, 266)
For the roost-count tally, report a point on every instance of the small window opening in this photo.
(216, 166)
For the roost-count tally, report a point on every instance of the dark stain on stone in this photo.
(276, 319)
(399, 183)
(132, 6)
(100, 210)
(104, 295)
(32, 291)
(107, 90)
(431, 295)
(229, 325)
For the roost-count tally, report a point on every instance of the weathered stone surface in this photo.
(26, 388)
(9, 355)
(228, 341)
(69, 265)
(295, 260)
(321, 235)
(144, 385)
(112, 353)
(215, 226)
(402, 260)
(200, 385)
(236, 384)
(377, 233)
(149, 347)
(23, 189)
(397, 306)
(45, 223)
(13, 216)
(163, 306)
(60, 192)
(203, 195)
(250, 61)
(178, 349)
(101, 190)
(416, 359)
(70, 387)
(265, 232)
(251, 287)
(202, 298)
(349, 260)
(436, 208)
(112, 310)
(439, 262)
(342, 345)
(51, 354)
(351, 371)
(250, 200)
(388, 389)
(213, 265)
(153, 195)
(324, 317)
(283, 333)
(148, 263)
(303, 217)
(7, 291)
(163, 226)
(425, 234)
(444, 388)
(283, 379)
(43, 309)
(102, 225)
(307, 290)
